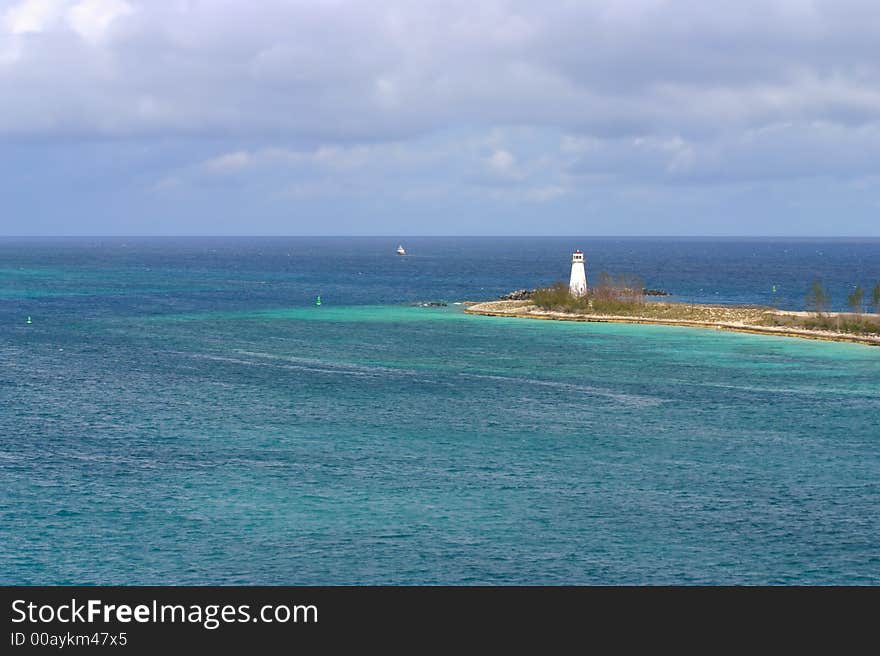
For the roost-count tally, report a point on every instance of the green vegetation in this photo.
(559, 298)
(618, 295)
(856, 324)
(854, 299)
(622, 296)
(875, 298)
(818, 297)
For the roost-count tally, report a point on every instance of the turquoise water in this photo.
(170, 423)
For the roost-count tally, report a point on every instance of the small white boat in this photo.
(401, 250)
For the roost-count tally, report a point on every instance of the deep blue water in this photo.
(161, 275)
(180, 412)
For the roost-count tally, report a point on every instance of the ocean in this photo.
(179, 411)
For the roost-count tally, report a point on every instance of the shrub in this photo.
(842, 323)
(854, 299)
(558, 297)
(818, 297)
(621, 294)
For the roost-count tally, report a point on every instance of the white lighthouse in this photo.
(577, 285)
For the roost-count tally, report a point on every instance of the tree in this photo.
(855, 299)
(875, 298)
(817, 297)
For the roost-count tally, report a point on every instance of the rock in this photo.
(432, 304)
(518, 295)
(526, 294)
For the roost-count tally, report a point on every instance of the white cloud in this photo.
(324, 157)
(229, 162)
(502, 164)
(342, 158)
(88, 18)
(33, 15)
(166, 184)
(91, 18)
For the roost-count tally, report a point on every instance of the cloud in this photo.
(229, 162)
(502, 165)
(771, 153)
(506, 100)
(88, 18)
(32, 15)
(389, 70)
(91, 18)
(324, 157)
(545, 194)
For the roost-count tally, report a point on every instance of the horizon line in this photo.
(399, 236)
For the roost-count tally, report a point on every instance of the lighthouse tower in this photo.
(578, 283)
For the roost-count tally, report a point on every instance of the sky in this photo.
(475, 117)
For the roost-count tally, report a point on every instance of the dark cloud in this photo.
(357, 70)
(516, 100)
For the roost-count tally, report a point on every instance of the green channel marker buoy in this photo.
(318, 302)
(29, 322)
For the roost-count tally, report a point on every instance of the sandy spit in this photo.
(724, 318)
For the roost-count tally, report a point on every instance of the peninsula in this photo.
(621, 299)
(736, 318)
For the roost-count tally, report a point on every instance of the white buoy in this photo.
(577, 285)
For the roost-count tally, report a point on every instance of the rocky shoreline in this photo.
(736, 319)
(526, 294)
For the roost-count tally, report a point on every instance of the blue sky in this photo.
(626, 117)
